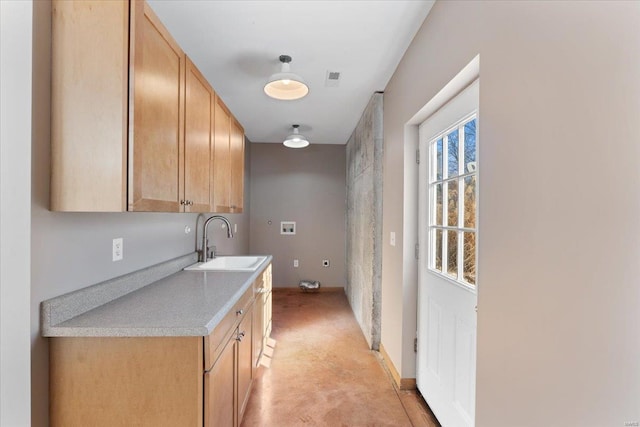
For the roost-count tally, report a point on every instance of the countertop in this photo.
(186, 303)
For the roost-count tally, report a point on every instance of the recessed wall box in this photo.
(288, 227)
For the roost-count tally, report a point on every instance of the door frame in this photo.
(469, 73)
(447, 378)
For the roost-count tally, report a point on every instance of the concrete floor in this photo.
(322, 373)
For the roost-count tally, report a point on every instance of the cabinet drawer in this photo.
(213, 342)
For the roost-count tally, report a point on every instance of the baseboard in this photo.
(401, 383)
(408, 384)
(297, 289)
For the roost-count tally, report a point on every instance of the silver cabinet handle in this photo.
(240, 312)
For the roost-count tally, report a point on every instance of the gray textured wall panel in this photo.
(364, 220)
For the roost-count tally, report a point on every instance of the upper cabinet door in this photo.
(198, 141)
(156, 118)
(237, 167)
(221, 158)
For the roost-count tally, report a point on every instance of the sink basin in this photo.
(229, 263)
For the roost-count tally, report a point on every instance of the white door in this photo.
(447, 292)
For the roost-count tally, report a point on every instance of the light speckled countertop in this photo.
(186, 303)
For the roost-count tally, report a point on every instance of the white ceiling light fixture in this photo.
(286, 85)
(295, 140)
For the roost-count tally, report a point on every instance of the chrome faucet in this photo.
(203, 253)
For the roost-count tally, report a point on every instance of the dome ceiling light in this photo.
(295, 140)
(286, 85)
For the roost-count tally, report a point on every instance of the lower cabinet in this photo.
(159, 381)
(227, 383)
(267, 299)
(232, 353)
(245, 362)
(219, 386)
(262, 315)
(126, 381)
(258, 327)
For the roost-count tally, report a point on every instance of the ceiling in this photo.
(236, 45)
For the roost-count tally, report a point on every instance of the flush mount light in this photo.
(295, 140)
(286, 85)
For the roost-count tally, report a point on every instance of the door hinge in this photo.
(418, 156)
(417, 251)
(415, 345)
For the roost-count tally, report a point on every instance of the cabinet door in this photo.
(126, 381)
(237, 167)
(258, 326)
(219, 392)
(198, 141)
(156, 119)
(245, 362)
(267, 277)
(221, 158)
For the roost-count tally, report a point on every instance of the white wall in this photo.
(559, 211)
(15, 206)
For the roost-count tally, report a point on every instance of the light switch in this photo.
(392, 238)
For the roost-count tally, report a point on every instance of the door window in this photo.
(453, 201)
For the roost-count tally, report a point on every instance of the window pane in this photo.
(469, 250)
(452, 146)
(438, 250)
(470, 146)
(439, 159)
(438, 204)
(470, 202)
(452, 203)
(452, 253)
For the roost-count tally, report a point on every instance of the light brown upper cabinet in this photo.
(237, 166)
(133, 118)
(198, 141)
(221, 158)
(228, 185)
(156, 116)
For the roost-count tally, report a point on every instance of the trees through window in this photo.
(452, 195)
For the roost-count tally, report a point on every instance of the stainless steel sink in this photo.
(229, 263)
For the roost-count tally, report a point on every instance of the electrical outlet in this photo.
(296, 263)
(325, 263)
(117, 249)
